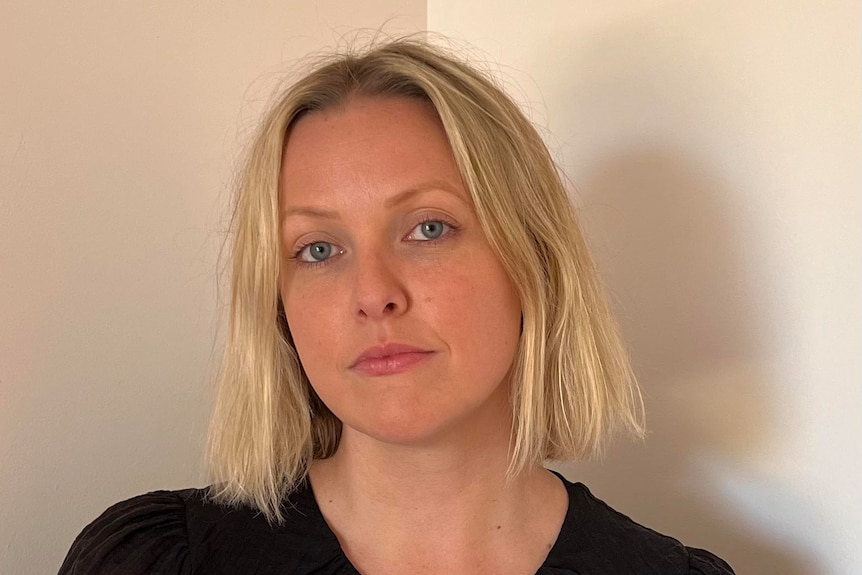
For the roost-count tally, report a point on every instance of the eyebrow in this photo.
(395, 200)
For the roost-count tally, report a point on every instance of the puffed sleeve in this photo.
(701, 562)
(144, 534)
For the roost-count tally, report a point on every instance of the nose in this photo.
(378, 288)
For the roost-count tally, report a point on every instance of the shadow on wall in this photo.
(669, 249)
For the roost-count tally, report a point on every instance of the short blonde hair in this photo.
(571, 378)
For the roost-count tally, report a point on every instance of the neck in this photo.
(447, 496)
(372, 476)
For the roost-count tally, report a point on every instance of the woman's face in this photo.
(371, 272)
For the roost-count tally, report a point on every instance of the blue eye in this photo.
(323, 249)
(432, 227)
(320, 251)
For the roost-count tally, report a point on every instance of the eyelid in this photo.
(302, 263)
(421, 218)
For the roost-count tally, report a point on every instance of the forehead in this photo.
(368, 146)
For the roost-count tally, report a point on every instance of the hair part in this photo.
(571, 380)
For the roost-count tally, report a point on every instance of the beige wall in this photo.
(716, 148)
(119, 125)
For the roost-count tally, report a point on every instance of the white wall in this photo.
(119, 125)
(716, 149)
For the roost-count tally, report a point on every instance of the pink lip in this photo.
(389, 358)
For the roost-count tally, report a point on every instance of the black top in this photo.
(178, 532)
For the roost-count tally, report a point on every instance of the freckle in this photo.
(498, 526)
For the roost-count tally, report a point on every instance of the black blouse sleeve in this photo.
(701, 562)
(144, 534)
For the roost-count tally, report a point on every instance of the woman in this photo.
(416, 327)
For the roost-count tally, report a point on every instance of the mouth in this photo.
(392, 364)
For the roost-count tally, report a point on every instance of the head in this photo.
(401, 257)
(506, 297)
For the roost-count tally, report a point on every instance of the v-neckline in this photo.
(555, 550)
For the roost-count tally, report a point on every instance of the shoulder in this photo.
(144, 534)
(184, 532)
(702, 562)
(597, 538)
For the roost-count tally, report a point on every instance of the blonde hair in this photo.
(571, 378)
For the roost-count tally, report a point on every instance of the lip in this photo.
(389, 358)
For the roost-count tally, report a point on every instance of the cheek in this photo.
(311, 320)
(478, 311)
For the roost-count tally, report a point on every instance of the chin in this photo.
(423, 416)
(403, 428)
(427, 428)
(400, 431)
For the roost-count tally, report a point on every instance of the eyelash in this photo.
(453, 228)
